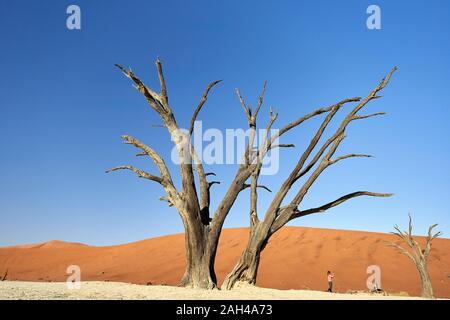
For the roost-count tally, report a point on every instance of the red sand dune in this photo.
(295, 258)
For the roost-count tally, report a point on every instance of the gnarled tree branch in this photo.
(139, 173)
(164, 171)
(200, 105)
(329, 205)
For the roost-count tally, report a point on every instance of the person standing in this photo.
(330, 276)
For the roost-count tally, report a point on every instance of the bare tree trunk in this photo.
(246, 269)
(425, 281)
(200, 256)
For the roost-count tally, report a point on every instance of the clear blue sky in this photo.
(64, 106)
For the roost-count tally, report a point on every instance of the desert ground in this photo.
(20, 290)
(296, 258)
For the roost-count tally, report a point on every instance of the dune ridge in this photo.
(295, 258)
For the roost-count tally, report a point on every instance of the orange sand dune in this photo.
(295, 258)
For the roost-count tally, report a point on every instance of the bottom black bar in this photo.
(228, 309)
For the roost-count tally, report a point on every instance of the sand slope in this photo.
(295, 258)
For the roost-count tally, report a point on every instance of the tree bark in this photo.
(246, 269)
(200, 256)
(425, 281)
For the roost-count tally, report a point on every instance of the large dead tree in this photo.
(201, 233)
(278, 213)
(192, 200)
(417, 254)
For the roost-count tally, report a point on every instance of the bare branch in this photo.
(310, 115)
(265, 143)
(437, 234)
(339, 201)
(283, 145)
(430, 238)
(251, 118)
(200, 105)
(247, 110)
(246, 185)
(211, 183)
(166, 198)
(260, 99)
(402, 250)
(352, 155)
(404, 236)
(164, 171)
(410, 226)
(368, 115)
(162, 83)
(152, 97)
(138, 172)
(141, 154)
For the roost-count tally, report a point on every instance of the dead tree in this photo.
(201, 234)
(417, 254)
(278, 214)
(192, 201)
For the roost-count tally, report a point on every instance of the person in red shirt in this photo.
(330, 276)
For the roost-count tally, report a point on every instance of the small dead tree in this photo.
(277, 214)
(192, 202)
(417, 254)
